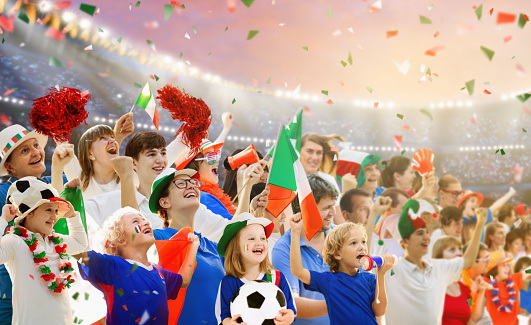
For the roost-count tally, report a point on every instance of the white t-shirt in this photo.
(416, 297)
(73, 170)
(390, 246)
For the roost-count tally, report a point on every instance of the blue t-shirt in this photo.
(199, 304)
(347, 297)
(475, 219)
(213, 204)
(133, 293)
(229, 286)
(525, 300)
(311, 260)
(378, 191)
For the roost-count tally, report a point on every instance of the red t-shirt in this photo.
(456, 309)
(503, 318)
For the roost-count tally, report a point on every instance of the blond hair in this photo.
(233, 259)
(335, 240)
(113, 230)
(443, 243)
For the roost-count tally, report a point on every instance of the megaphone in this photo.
(246, 157)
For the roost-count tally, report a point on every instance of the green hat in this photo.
(237, 223)
(162, 181)
(410, 219)
(369, 160)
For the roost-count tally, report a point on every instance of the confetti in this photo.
(86, 296)
(393, 271)
(252, 33)
(121, 107)
(522, 20)
(424, 20)
(152, 45)
(470, 86)
(523, 97)
(53, 61)
(135, 266)
(404, 67)
(194, 28)
(479, 12)
(369, 89)
(168, 9)
(505, 18)
(88, 9)
(507, 38)
(329, 12)
(469, 300)
(88, 48)
(488, 52)
(23, 16)
(234, 100)
(305, 48)
(226, 28)
(400, 116)
(137, 85)
(391, 33)
(156, 77)
(330, 102)
(137, 4)
(524, 130)
(343, 63)
(324, 92)
(130, 6)
(187, 36)
(120, 292)
(402, 153)
(486, 92)
(31, 276)
(430, 7)
(436, 34)
(124, 307)
(75, 296)
(182, 6)
(517, 223)
(349, 59)
(376, 104)
(268, 80)
(181, 55)
(248, 3)
(120, 39)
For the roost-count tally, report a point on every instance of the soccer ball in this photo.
(258, 303)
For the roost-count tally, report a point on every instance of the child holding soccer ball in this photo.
(350, 293)
(244, 246)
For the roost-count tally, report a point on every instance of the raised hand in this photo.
(226, 118)
(123, 165)
(63, 153)
(482, 214)
(9, 212)
(423, 161)
(381, 204)
(389, 262)
(260, 201)
(194, 239)
(348, 182)
(124, 127)
(296, 223)
(73, 183)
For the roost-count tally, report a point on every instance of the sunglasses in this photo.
(211, 157)
(454, 193)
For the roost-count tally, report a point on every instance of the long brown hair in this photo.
(329, 163)
(163, 213)
(83, 148)
(233, 259)
(397, 164)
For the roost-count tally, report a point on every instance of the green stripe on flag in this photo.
(144, 98)
(282, 173)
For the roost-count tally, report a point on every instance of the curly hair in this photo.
(335, 239)
(113, 229)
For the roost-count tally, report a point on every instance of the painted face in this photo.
(405, 181)
(209, 172)
(450, 196)
(104, 149)
(42, 219)
(452, 252)
(361, 207)
(516, 246)
(253, 244)
(455, 228)
(27, 160)
(481, 264)
(327, 209)
(183, 198)
(417, 244)
(352, 250)
(138, 231)
(151, 163)
(311, 157)
(372, 173)
(504, 271)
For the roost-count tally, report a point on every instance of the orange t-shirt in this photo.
(502, 317)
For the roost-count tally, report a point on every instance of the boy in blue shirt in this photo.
(349, 292)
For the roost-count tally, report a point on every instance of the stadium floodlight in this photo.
(441, 105)
(97, 119)
(68, 16)
(450, 103)
(193, 71)
(469, 103)
(305, 97)
(207, 76)
(166, 129)
(85, 23)
(216, 79)
(111, 120)
(45, 6)
(103, 120)
(172, 130)
(145, 126)
(6, 99)
(459, 103)
(21, 102)
(391, 104)
(315, 98)
(504, 97)
(278, 93)
(432, 105)
(167, 59)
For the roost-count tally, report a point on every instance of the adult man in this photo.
(356, 204)
(311, 307)
(417, 283)
(450, 191)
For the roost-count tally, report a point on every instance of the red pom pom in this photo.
(57, 113)
(192, 112)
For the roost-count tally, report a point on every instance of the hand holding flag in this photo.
(146, 100)
(423, 161)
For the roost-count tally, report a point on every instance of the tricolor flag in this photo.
(146, 100)
(294, 131)
(353, 162)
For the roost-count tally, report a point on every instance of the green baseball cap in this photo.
(237, 223)
(162, 181)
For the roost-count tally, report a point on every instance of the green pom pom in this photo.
(380, 242)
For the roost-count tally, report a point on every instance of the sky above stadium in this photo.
(305, 45)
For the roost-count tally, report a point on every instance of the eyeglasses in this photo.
(454, 193)
(486, 260)
(211, 157)
(183, 183)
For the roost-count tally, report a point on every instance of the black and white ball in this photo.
(258, 302)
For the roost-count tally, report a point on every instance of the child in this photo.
(135, 290)
(349, 292)
(37, 258)
(244, 246)
(514, 244)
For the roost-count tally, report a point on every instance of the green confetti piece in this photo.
(168, 9)
(3, 296)
(23, 16)
(3, 40)
(181, 55)
(524, 130)
(369, 89)
(75, 296)
(151, 44)
(121, 107)
(349, 58)
(14, 88)
(233, 100)
(380, 242)
(329, 12)
(392, 272)
(343, 63)
(324, 92)
(182, 6)
(470, 86)
(469, 300)
(120, 39)
(247, 3)
(120, 292)
(487, 83)
(402, 153)
(488, 52)
(528, 271)
(210, 53)
(513, 57)
(135, 266)
(427, 113)
(137, 4)
(523, 97)
(100, 30)
(75, 320)
(521, 21)
(268, 80)
(479, 11)
(305, 48)
(424, 20)
(88, 9)
(87, 296)
(400, 116)
(502, 152)
(156, 77)
(195, 29)
(252, 33)
(146, 292)
(137, 85)
(226, 28)
(428, 72)
(497, 151)
(53, 61)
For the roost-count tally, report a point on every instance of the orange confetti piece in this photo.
(507, 38)
(491, 10)
(137, 320)
(151, 76)
(433, 51)
(391, 33)
(8, 92)
(486, 92)
(436, 75)
(31, 276)
(341, 83)
(436, 34)
(39, 21)
(69, 64)
(526, 18)
(505, 18)
(330, 102)
(124, 307)
(376, 105)
(103, 75)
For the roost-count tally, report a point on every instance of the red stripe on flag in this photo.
(156, 118)
(279, 198)
(347, 167)
(311, 217)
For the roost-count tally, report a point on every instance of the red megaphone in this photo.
(246, 157)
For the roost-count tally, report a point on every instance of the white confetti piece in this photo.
(187, 36)
(337, 32)
(88, 48)
(517, 223)
(350, 29)
(422, 68)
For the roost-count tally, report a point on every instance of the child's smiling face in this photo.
(352, 251)
(253, 244)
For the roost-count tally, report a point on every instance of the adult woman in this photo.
(514, 244)
(175, 197)
(399, 173)
(494, 237)
(456, 307)
(469, 202)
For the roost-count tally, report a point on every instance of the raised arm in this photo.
(469, 256)
(381, 205)
(226, 118)
(501, 201)
(76, 241)
(295, 252)
(187, 268)
(123, 128)
(428, 182)
(124, 168)
(62, 155)
(247, 177)
(7, 246)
